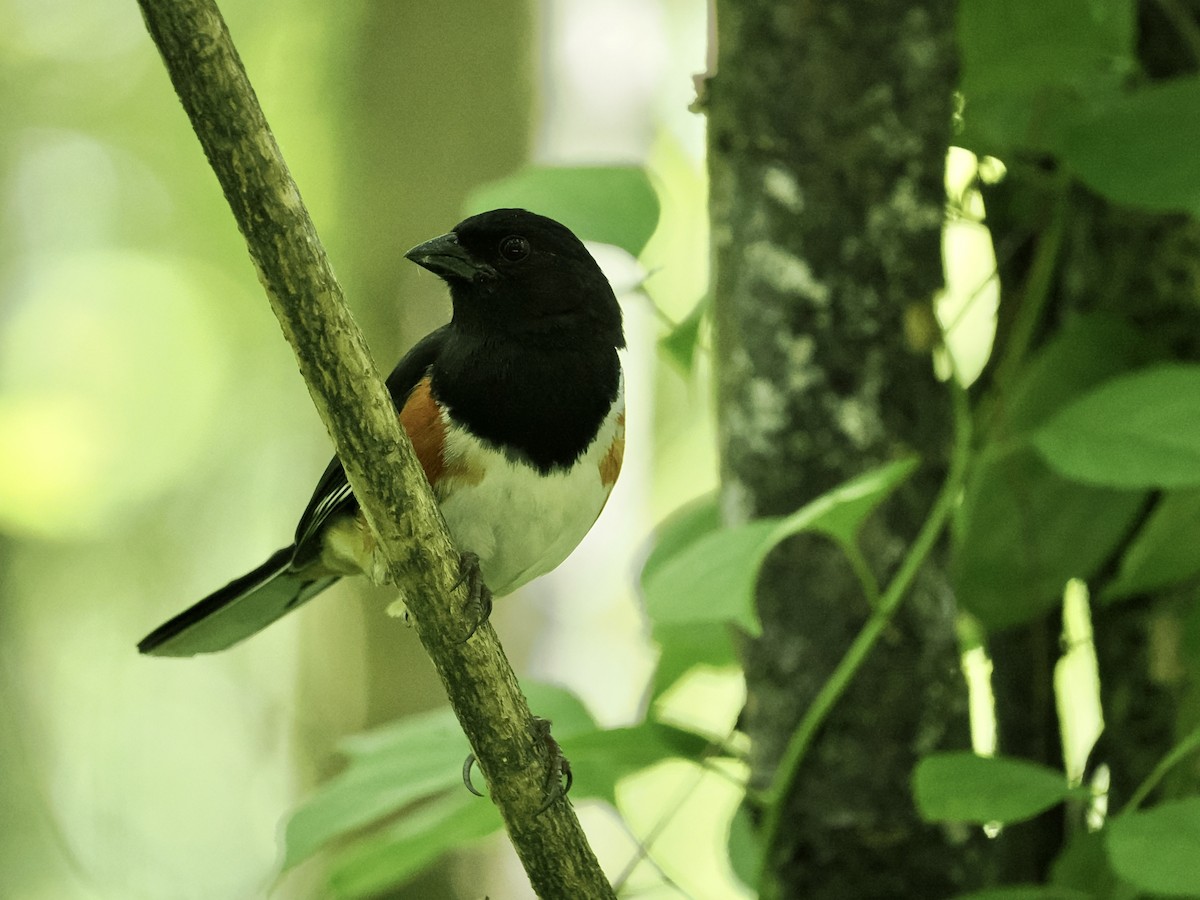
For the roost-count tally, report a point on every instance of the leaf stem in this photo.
(1037, 289)
(858, 562)
(788, 770)
(1175, 755)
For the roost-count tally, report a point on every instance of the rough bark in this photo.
(828, 127)
(352, 401)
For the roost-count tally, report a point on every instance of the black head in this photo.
(513, 271)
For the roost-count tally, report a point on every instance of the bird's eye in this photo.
(514, 248)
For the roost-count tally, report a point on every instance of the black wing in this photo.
(333, 496)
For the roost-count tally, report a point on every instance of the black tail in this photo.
(243, 607)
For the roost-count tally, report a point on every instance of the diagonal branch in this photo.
(379, 461)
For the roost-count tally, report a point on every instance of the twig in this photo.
(383, 471)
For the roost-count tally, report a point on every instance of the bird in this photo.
(516, 411)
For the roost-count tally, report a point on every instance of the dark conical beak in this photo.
(445, 256)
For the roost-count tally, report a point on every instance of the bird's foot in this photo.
(479, 599)
(468, 765)
(558, 772)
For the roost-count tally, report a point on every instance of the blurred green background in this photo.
(156, 439)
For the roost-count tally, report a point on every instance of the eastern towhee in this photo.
(516, 411)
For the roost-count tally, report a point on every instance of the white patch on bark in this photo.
(766, 408)
(781, 186)
(785, 271)
(904, 209)
(856, 420)
(858, 416)
(902, 213)
(798, 350)
(759, 419)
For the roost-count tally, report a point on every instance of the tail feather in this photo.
(243, 607)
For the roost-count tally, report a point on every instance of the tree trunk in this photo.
(828, 129)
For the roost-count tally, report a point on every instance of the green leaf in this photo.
(1189, 645)
(1140, 149)
(560, 707)
(409, 760)
(745, 848)
(1166, 549)
(681, 528)
(685, 646)
(402, 851)
(601, 758)
(1083, 866)
(680, 344)
(1136, 431)
(1158, 850)
(419, 758)
(1082, 355)
(1023, 531)
(963, 787)
(1029, 67)
(1027, 892)
(841, 512)
(712, 578)
(391, 767)
(610, 204)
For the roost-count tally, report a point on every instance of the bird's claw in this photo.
(559, 777)
(479, 598)
(558, 773)
(468, 765)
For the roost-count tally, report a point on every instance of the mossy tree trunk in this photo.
(828, 129)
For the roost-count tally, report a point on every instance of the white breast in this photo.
(522, 523)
